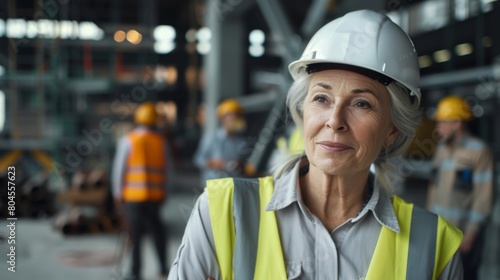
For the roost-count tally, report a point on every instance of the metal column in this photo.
(223, 65)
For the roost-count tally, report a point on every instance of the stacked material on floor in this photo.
(89, 204)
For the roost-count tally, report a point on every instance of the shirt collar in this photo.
(380, 204)
(286, 192)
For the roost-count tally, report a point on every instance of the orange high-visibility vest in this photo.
(145, 170)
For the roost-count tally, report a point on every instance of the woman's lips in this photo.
(333, 146)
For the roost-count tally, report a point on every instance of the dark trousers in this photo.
(472, 260)
(141, 216)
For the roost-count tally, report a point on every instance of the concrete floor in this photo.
(42, 253)
(45, 254)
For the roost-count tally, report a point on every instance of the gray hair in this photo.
(405, 115)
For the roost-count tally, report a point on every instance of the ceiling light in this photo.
(204, 34)
(119, 36)
(203, 47)
(424, 61)
(164, 47)
(164, 33)
(463, 49)
(257, 36)
(256, 50)
(134, 37)
(442, 56)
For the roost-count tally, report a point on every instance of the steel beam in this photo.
(314, 17)
(281, 29)
(461, 77)
(237, 8)
(291, 47)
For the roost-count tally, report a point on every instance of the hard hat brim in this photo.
(300, 67)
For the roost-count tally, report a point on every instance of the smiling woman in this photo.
(323, 215)
(346, 121)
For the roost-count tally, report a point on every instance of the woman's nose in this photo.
(337, 119)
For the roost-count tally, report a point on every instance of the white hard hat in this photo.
(366, 42)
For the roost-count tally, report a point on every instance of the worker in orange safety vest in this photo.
(139, 184)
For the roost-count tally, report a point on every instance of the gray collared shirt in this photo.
(310, 250)
(223, 146)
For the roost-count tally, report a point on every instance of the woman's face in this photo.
(347, 120)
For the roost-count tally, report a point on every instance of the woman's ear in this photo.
(393, 134)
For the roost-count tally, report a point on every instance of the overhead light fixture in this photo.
(204, 34)
(463, 49)
(442, 56)
(164, 47)
(424, 61)
(256, 50)
(50, 29)
(134, 37)
(257, 39)
(257, 36)
(119, 36)
(203, 47)
(164, 33)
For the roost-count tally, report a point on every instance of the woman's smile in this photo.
(334, 147)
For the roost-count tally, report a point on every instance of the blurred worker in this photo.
(224, 154)
(139, 182)
(461, 188)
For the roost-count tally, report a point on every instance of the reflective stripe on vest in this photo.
(425, 244)
(144, 178)
(255, 251)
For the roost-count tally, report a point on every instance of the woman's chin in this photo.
(330, 167)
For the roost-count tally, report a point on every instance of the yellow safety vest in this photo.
(145, 178)
(425, 244)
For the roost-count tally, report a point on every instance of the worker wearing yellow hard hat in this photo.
(224, 154)
(462, 186)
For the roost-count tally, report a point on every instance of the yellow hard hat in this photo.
(229, 106)
(453, 108)
(146, 114)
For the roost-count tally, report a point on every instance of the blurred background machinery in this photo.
(72, 73)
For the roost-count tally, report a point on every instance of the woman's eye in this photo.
(320, 98)
(362, 104)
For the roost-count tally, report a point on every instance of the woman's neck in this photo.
(333, 199)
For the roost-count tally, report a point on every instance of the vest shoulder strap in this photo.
(421, 250)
